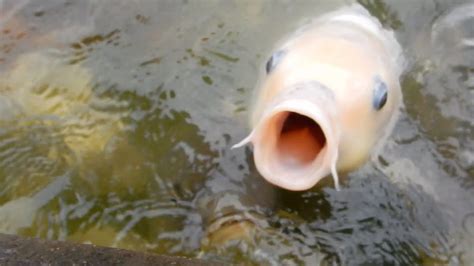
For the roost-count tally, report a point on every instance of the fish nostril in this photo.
(300, 140)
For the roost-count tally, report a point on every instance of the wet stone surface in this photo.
(16, 250)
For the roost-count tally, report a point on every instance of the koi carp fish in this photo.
(327, 99)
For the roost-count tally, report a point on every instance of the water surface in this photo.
(117, 118)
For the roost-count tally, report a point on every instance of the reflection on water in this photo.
(117, 117)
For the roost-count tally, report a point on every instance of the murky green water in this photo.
(117, 117)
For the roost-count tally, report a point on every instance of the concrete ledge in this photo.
(15, 250)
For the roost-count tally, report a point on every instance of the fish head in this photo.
(328, 98)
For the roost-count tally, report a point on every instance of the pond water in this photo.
(117, 118)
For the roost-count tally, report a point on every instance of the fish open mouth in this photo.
(295, 149)
(296, 140)
(300, 140)
(296, 145)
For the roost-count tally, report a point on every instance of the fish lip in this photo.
(308, 176)
(320, 167)
(311, 99)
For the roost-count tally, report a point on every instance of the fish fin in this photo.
(334, 173)
(243, 142)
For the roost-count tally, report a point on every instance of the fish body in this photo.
(329, 95)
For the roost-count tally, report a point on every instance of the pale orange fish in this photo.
(328, 98)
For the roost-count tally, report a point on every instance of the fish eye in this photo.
(380, 94)
(274, 60)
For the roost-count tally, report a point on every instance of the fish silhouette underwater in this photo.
(327, 100)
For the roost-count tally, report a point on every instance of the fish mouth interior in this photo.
(299, 141)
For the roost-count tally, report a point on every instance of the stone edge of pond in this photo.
(17, 250)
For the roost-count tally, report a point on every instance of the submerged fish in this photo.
(44, 87)
(327, 100)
